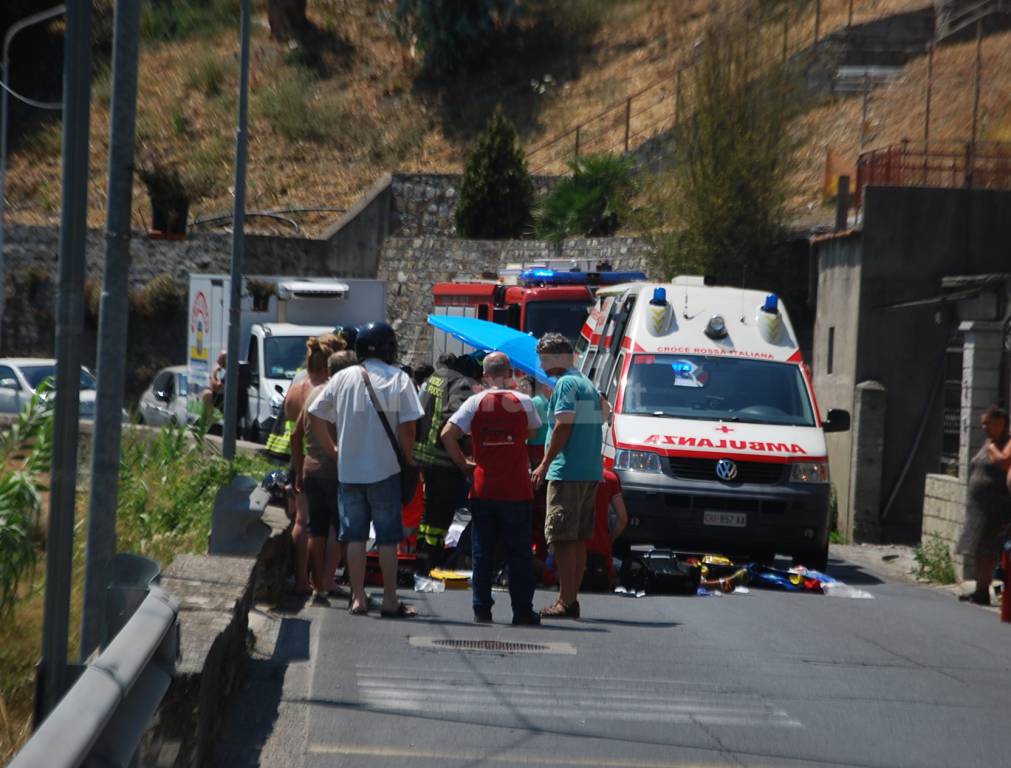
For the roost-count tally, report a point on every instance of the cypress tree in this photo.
(496, 194)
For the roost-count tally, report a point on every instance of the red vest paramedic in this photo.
(499, 421)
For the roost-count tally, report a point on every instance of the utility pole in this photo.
(112, 330)
(238, 230)
(69, 319)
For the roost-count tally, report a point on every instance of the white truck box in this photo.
(277, 315)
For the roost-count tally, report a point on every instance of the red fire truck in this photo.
(542, 300)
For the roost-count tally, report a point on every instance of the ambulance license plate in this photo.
(727, 519)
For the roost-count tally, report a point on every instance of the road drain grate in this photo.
(491, 646)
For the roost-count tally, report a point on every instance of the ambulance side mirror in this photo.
(836, 420)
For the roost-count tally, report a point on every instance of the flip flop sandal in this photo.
(400, 612)
(359, 610)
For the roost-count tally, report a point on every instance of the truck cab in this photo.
(275, 355)
(716, 436)
(534, 300)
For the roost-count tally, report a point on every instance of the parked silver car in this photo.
(164, 401)
(21, 376)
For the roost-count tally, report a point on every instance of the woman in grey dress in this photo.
(988, 508)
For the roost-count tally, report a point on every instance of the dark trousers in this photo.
(445, 492)
(508, 522)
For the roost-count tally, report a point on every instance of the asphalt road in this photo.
(909, 678)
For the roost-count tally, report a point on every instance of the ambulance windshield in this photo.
(564, 317)
(717, 388)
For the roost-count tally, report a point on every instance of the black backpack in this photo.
(659, 572)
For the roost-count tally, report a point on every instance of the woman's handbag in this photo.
(409, 473)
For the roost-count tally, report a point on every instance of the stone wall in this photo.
(424, 204)
(36, 249)
(413, 265)
(944, 517)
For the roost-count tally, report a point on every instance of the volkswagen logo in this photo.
(726, 470)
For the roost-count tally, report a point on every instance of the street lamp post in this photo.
(16, 27)
(238, 235)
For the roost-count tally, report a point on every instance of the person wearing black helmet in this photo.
(356, 400)
(347, 332)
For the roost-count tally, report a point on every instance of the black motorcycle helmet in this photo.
(347, 332)
(377, 340)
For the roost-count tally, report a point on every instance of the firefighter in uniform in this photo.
(453, 381)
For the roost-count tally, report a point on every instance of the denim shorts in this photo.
(378, 503)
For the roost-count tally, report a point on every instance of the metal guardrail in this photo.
(103, 716)
(948, 164)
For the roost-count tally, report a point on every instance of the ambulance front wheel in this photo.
(816, 558)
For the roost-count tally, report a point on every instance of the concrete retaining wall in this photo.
(944, 516)
(215, 596)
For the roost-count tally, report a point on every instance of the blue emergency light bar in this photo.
(544, 276)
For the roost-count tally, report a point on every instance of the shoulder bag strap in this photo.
(382, 417)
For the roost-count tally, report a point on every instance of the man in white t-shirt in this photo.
(367, 465)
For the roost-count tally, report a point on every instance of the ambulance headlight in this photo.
(637, 461)
(809, 472)
(716, 328)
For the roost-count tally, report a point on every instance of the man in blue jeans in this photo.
(499, 421)
(367, 463)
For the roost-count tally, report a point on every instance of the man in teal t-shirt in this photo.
(572, 466)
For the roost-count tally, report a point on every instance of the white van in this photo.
(716, 436)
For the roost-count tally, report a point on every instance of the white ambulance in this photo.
(716, 435)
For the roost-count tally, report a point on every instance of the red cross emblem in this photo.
(724, 429)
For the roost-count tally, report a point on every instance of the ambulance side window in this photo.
(617, 324)
(612, 387)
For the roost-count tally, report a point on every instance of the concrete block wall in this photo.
(944, 516)
(982, 351)
(865, 481)
(413, 265)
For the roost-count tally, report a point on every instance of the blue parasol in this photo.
(480, 334)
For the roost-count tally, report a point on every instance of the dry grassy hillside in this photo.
(898, 111)
(328, 119)
(326, 123)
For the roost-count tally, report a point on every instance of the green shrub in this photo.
(25, 450)
(161, 297)
(591, 202)
(167, 489)
(177, 19)
(452, 33)
(207, 74)
(290, 108)
(496, 193)
(933, 561)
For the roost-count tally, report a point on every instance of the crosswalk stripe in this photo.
(490, 697)
(432, 687)
(582, 714)
(564, 698)
(410, 673)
